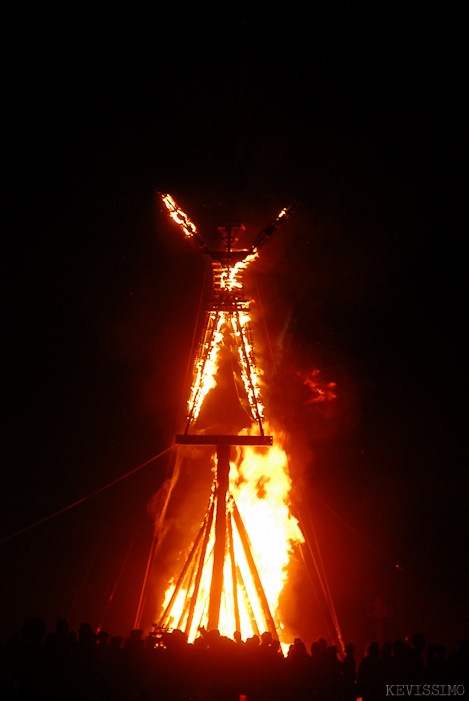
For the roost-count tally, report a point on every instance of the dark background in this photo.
(236, 114)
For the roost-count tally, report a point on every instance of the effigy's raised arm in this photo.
(265, 235)
(181, 218)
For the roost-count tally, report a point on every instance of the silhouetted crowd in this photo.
(94, 666)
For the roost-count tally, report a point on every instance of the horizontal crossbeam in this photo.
(207, 439)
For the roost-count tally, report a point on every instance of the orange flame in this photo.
(260, 485)
(262, 527)
(230, 276)
(320, 391)
(206, 365)
(179, 216)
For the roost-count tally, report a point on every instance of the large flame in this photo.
(320, 391)
(228, 277)
(206, 364)
(260, 487)
(238, 324)
(177, 215)
(261, 532)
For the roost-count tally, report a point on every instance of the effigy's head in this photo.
(230, 233)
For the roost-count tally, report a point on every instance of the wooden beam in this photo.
(269, 621)
(233, 575)
(182, 576)
(200, 568)
(216, 588)
(218, 440)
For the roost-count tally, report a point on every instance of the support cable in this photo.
(247, 371)
(269, 621)
(359, 535)
(106, 608)
(200, 569)
(324, 583)
(173, 468)
(189, 362)
(184, 571)
(142, 599)
(268, 340)
(320, 603)
(80, 501)
(233, 574)
(329, 596)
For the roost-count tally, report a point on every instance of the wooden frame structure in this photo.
(228, 309)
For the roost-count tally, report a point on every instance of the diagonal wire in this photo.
(172, 472)
(359, 535)
(279, 387)
(80, 501)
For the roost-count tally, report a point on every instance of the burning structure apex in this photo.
(228, 311)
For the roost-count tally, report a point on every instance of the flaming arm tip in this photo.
(181, 218)
(265, 235)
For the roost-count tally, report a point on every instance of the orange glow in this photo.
(260, 486)
(179, 216)
(207, 361)
(260, 531)
(206, 364)
(260, 483)
(320, 391)
(229, 277)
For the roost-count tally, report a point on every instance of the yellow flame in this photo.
(249, 371)
(176, 213)
(229, 276)
(206, 365)
(260, 484)
(321, 391)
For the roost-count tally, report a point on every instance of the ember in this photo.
(320, 391)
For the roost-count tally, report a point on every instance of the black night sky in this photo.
(236, 114)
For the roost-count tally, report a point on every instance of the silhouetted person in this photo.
(30, 660)
(437, 664)
(270, 669)
(458, 664)
(370, 677)
(59, 653)
(134, 641)
(237, 637)
(8, 685)
(349, 673)
(298, 667)
(417, 669)
(400, 663)
(318, 666)
(59, 647)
